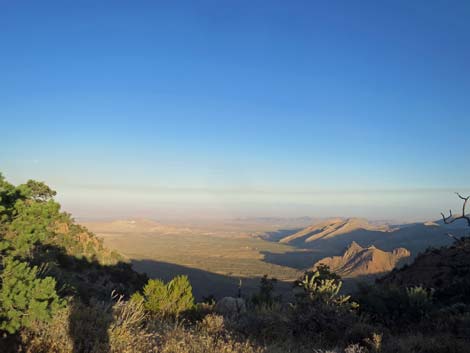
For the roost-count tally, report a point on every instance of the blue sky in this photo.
(236, 108)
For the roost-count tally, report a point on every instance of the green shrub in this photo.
(169, 299)
(394, 306)
(319, 286)
(24, 297)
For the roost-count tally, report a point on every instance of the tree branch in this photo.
(451, 219)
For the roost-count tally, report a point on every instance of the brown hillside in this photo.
(332, 228)
(358, 261)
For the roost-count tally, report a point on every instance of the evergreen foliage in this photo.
(24, 297)
(33, 231)
(169, 299)
(26, 215)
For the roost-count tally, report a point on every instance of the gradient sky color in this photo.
(238, 108)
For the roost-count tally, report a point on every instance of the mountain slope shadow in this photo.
(277, 235)
(205, 283)
(300, 260)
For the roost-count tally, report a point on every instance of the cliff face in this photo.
(358, 261)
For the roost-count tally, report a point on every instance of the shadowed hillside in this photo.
(207, 283)
(445, 269)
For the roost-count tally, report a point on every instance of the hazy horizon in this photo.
(243, 110)
(166, 205)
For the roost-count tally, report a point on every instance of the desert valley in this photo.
(234, 176)
(217, 255)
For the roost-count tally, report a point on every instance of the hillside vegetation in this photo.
(446, 269)
(63, 291)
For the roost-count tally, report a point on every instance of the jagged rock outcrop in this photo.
(358, 261)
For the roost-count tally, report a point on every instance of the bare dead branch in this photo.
(451, 219)
(452, 236)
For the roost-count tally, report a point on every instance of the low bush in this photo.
(97, 327)
(395, 307)
(166, 300)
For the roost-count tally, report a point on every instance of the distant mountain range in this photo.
(332, 228)
(358, 261)
(334, 235)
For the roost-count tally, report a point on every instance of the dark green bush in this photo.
(394, 306)
(24, 297)
(167, 300)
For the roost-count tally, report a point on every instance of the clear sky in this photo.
(238, 108)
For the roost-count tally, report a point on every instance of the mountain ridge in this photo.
(364, 261)
(333, 227)
(334, 235)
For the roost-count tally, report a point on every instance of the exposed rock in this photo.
(358, 261)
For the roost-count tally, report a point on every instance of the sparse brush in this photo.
(374, 342)
(212, 324)
(127, 333)
(95, 328)
(51, 337)
(355, 348)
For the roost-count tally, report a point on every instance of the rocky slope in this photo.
(358, 261)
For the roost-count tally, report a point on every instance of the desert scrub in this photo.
(322, 286)
(95, 328)
(127, 332)
(51, 337)
(264, 323)
(426, 344)
(212, 324)
(178, 339)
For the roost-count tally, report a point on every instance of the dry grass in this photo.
(125, 328)
(129, 333)
(95, 328)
